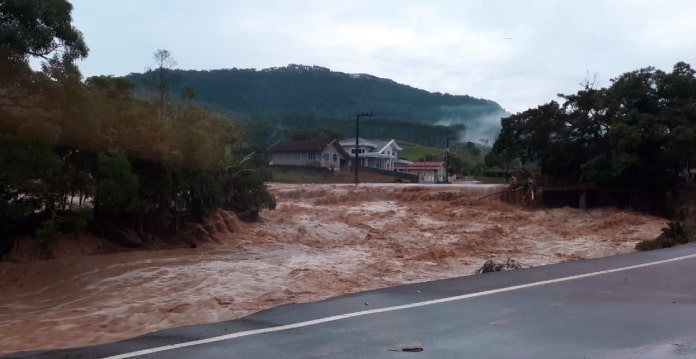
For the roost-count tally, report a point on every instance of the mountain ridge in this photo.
(321, 93)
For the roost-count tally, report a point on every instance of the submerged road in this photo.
(640, 305)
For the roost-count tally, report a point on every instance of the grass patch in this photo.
(415, 152)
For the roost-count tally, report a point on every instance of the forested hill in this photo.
(320, 92)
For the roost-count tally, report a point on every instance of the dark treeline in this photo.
(319, 92)
(86, 154)
(640, 132)
(262, 132)
(284, 100)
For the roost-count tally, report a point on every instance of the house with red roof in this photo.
(428, 172)
(309, 153)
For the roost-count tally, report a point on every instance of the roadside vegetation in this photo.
(78, 155)
(638, 134)
(675, 233)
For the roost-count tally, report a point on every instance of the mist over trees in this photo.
(311, 97)
(150, 166)
(262, 131)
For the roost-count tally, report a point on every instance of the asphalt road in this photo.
(641, 305)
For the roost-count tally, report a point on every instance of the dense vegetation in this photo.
(639, 132)
(320, 92)
(637, 135)
(64, 142)
(311, 97)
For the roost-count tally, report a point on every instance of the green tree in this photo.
(117, 186)
(39, 29)
(472, 148)
(34, 29)
(639, 132)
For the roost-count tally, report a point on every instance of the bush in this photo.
(46, 232)
(675, 233)
(75, 221)
(117, 185)
(47, 229)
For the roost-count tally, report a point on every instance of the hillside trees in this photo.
(262, 131)
(311, 98)
(320, 92)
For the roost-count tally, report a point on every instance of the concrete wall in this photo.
(402, 175)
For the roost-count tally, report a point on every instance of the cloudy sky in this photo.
(519, 53)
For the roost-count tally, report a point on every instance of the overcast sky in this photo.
(518, 53)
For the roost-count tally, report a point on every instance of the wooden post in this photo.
(583, 199)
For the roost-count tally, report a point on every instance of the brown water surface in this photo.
(321, 241)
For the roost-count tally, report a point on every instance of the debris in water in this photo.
(408, 350)
(493, 266)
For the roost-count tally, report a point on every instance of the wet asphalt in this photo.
(646, 312)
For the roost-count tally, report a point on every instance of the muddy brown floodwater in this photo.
(321, 241)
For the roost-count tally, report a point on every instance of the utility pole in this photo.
(357, 136)
(447, 159)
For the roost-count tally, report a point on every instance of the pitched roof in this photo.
(420, 165)
(300, 146)
(312, 146)
(350, 142)
(377, 145)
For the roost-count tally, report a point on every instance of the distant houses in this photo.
(309, 153)
(375, 155)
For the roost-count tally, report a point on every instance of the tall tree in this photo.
(34, 29)
(164, 63)
(639, 132)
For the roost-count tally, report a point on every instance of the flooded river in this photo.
(321, 241)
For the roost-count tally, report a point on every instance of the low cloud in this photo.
(482, 129)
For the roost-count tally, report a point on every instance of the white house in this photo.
(374, 153)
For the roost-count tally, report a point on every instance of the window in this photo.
(326, 156)
(335, 157)
(311, 156)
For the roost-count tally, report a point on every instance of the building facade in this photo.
(309, 153)
(428, 172)
(373, 153)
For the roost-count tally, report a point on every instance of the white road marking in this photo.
(387, 309)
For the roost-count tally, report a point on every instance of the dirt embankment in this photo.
(321, 241)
